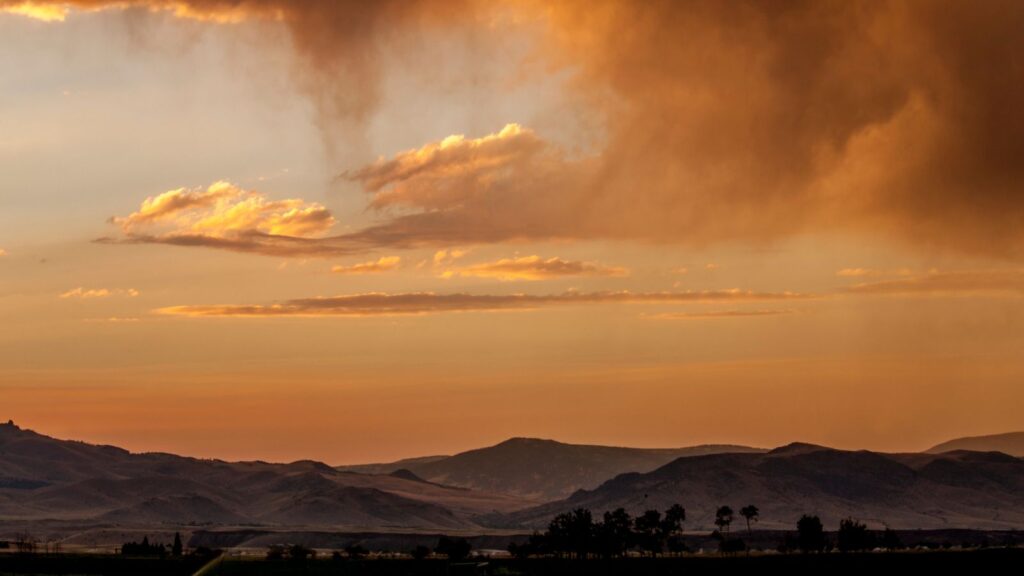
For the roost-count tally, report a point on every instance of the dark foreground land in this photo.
(1003, 560)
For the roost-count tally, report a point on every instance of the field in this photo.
(970, 561)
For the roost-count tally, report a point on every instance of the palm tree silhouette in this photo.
(750, 512)
(723, 518)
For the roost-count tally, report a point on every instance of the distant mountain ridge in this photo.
(82, 488)
(541, 470)
(1011, 443)
(59, 480)
(983, 490)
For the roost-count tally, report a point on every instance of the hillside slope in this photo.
(1011, 443)
(957, 489)
(543, 470)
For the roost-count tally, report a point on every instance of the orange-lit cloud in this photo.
(962, 282)
(226, 216)
(536, 268)
(220, 11)
(767, 119)
(447, 256)
(383, 304)
(46, 13)
(89, 293)
(224, 209)
(870, 272)
(382, 264)
(719, 314)
(3, 252)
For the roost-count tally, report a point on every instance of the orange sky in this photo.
(351, 232)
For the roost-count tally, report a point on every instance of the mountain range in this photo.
(1011, 443)
(961, 489)
(45, 478)
(541, 470)
(517, 485)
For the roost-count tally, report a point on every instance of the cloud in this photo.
(3, 252)
(228, 217)
(382, 264)
(46, 13)
(856, 272)
(719, 314)
(869, 272)
(384, 304)
(223, 210)
(536, 268)
(785, 118)
(954, 283)
(89, 293)
(447, 256)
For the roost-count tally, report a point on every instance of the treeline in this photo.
(144, 548)
(577, 534)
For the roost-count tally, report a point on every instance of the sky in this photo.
(353, 232)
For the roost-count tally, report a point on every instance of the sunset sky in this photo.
(360, 231)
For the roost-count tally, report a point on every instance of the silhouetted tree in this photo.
(539, 544)
(300, 553)
(355, 551)
(891, 540)
(853, 536)
(614, 533)
(572, 532)
(25, 543)
(519, 551)
(671, 528)
(750, 513)
(723, 518)
(810, 534)
(420, 552)
(648, 532)
(176, 548)
(456, 549)
(275, 552)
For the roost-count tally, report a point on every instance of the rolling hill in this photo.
(541, 470)
(1011, 443)
(42, 478)
(75, 487)
(983, 490)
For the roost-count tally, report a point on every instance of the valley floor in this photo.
(913, 562)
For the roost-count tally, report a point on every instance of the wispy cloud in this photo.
(448, 256)
(88, 293)
(536, 268)
(382, 264)
(384, 304)
(719, 314)
(871, 272)
(959, 282)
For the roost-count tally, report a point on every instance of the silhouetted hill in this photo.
(389, 467)
(49, 479)
(958, 489)
(1011, 443)
(543, 470)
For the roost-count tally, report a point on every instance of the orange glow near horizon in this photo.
(355, 232)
